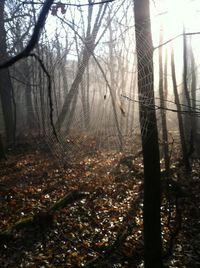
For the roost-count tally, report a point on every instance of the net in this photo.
(89, 52)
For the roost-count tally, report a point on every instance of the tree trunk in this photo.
(5, 83)
(2, 153)
(150, 147)
(165, 145)
(30, 115)
(189, 119)
(88, 96)
(86, 54)
(180, 120)
(113, 82)
(194, 106)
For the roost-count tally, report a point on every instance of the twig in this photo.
(69, 4)
(34, 38)
(49, 92)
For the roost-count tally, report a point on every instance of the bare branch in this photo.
(69, 4)
(175, 37)
(49, 91)
(16, 17)
(156, 107)
(34, 38)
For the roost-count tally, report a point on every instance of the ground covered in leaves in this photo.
(102, 230)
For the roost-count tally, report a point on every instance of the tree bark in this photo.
(189, 119)
(86, 54)
(5, 83)
(194, 99)
(180, 120)
(150, 147)
(165, 145)
(2, 153)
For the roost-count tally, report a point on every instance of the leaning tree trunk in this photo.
(180, 120)
(5, 83)
(150, 147)
(86, 54)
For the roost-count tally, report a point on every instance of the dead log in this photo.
(42, 219)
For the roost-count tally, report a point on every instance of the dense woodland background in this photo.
(99, 133)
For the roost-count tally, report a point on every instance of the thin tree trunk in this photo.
(165, 75)
(84, 105)
(70, 115)
(150, 146)
(88, 97)
(113, 83)
(87, 52)
(180, 120)
(189, 119)
(162, 104)
(131, 110)
(30, 115)
(193, 94)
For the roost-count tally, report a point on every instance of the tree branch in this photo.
(34, 38)
(49, 92)
(16, 17)
(175, 37)
(156, 107)
(74, 5)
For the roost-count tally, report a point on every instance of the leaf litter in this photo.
(101, 230)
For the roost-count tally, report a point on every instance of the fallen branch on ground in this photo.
(42, 219)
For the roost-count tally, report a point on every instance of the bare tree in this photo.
(193, 102)
(86, 54)
(165, 141)
(2, 153)
(180, 119)
(6, 88)
(189, 132)
(150, 147)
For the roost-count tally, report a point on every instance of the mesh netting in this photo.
(90, 90)
(90, 54)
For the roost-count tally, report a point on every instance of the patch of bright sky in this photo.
(74, 14)
(80, 16)
(174, 14)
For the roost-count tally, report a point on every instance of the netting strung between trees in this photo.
(98, 117)
(91, 59)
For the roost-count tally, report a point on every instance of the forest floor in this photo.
(103, 229)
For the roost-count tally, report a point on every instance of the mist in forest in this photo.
(92, 64)
(99, 125)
